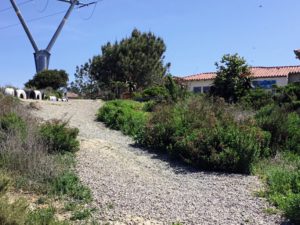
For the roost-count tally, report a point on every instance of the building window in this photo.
(197, 89)
(265, 84)
(206, 89)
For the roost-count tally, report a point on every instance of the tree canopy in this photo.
(136, 61)
(49, 78)
(233, 78)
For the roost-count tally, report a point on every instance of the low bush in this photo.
(59, 137)
(204, 133)
(256, 99)
(81, 214)
(125, 115)
(282, 176)
(289, 97)
(69, 184)
(22, 151)
(12, 124)
(45, 216)
(283, 126)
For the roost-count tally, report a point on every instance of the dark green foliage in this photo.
(135, 62)
(157, 93)
(81, 214)
(49, 78)
(206, 135)
(256, 99)
(149, 106)
(69, 184)
(59, 137)
(127, 116)
(283, 126)
(282, 175)
(233, 78)
(289, 97)
(12, 123)
(44, 217)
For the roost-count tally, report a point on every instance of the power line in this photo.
(47, 16)
(34, 19)
(44, 8)
(93, 11)
(21, 3)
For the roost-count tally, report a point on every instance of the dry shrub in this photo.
(22, 150)
(28, 157)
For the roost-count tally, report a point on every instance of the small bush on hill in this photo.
(44, 216)
(282, 174)
(69, 184)
(256, 99)
(289, 97)
(283, 126)
(12, 123)
(59, 137)
(127, 116)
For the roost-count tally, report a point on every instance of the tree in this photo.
(49, 78)
(233, 78)
(84, 83)
(136, 62)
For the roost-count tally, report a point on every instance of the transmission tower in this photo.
(42, 56)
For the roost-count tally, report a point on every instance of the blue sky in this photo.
(197, 33)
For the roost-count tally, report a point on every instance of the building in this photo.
(263, 77)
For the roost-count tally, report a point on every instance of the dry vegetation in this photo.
(36, 171)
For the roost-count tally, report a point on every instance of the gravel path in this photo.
(132, 186)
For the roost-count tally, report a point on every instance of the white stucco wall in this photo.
(280, 81)
(199, 83)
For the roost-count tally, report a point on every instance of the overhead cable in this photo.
(21, 3)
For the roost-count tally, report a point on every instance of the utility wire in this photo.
(44, 8)
(34, 19)
(93, 11)
(21, 3)
(43, 17)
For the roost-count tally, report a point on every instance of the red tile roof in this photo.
(256, 72)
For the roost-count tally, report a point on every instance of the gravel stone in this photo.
(132, 186)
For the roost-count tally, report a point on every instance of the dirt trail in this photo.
(132, 186)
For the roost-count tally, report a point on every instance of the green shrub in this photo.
(149, 106)
(288, 96)
(282, 176)
(293, 133)
(12, 123)
(44, 216)
(127, 116)
(256, 99)
(283, 126)
(204, 133)
(81, 214)
(69, 184)
(59, 137)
